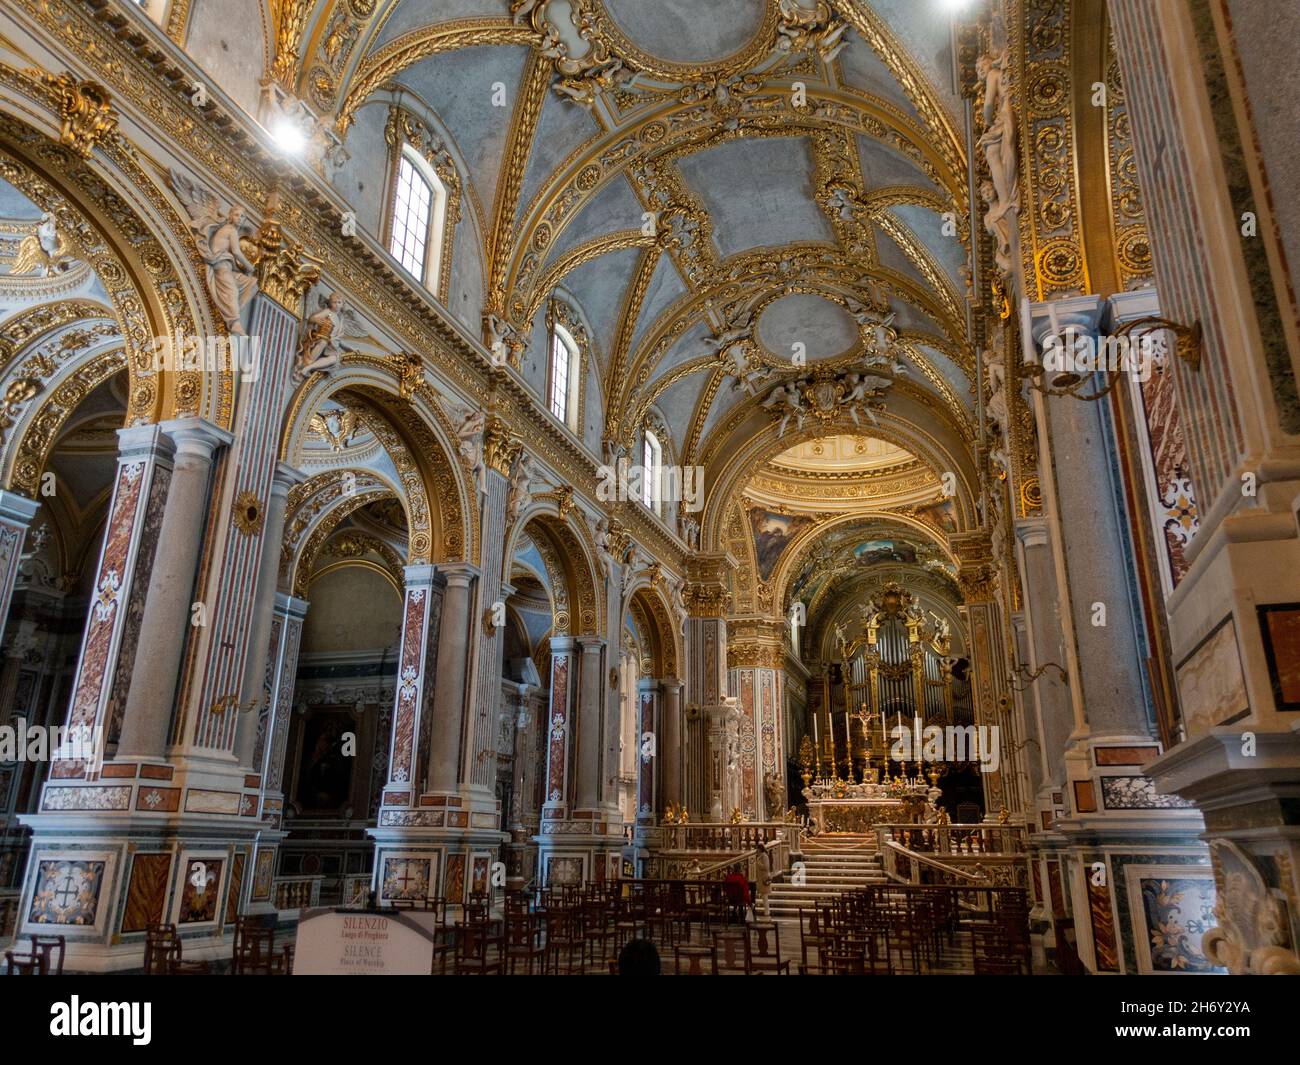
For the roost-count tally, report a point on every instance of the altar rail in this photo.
(724, 836)
(955, 855)
(956, 839)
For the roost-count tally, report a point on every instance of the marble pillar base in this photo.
(1247, 793)
(586, 847)
(447, 846)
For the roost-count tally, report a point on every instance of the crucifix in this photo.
(65, 893)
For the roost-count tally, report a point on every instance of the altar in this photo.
(839, 806)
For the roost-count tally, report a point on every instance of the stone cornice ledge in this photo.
(1212, 771)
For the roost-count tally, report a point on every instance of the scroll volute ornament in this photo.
(284, 271)
(85, 111)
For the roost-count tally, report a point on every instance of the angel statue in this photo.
(786, 395)
(862, 388)
(470, 434)
(319, 349)
(803, 27)
(232, 279)
(46, 250)
(999, 137)
(521, 487)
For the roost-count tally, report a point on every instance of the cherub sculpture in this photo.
(470, 434)
(521, 487)
(785, 397)
(320, 347)
(47, 250)
(231, 277)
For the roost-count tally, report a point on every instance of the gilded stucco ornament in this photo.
(86, 113)
(284, 271)
(46, 251)
(248, 513)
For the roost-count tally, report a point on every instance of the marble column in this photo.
(209, 722)
(169, 606)
(453, 668)
(592, 702)
(706, 596)
(284, 642)
(16, 514)
(421, 615)
(647, 754)
(108, 647)
(559, 726)
(1106, 809)
(670, 744)
(254, 692)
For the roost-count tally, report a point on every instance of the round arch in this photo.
(135, 241)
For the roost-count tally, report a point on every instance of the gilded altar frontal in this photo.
(649, 487)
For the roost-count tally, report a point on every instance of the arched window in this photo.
(652, 461)
(417, 217)
(565, 375)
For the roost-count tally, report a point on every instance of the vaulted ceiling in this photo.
(669, 168)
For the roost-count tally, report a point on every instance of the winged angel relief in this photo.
(231, 276)
(320, 348)
(47, 251)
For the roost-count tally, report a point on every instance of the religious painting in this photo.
(772, 535)
(873, 551)
(67, 893)
(1280, 625)
(263, 873)
(324, 777)
(479, 877)
(199, 890)
(1211, 685)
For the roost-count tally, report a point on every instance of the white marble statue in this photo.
(320, 347)
(785, 397)
(231, 278)
(521, 487)
(999, 138)
(470, 434)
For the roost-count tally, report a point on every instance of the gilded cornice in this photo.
(631, 311)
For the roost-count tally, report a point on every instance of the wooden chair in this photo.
(524, 943)
(162, 944)
(564, 942)
(24, 964)
(813, 935)
(254, 952)
(731, 952)
(689, 961)
(480, 953)
(765, 949)
(52, 949)
(991, 948)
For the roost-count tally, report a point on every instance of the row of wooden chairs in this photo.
(902, 929)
